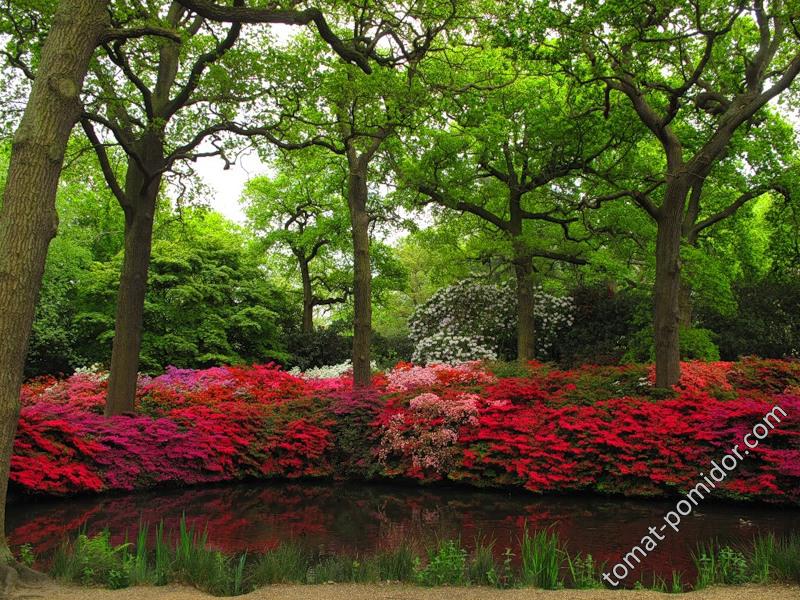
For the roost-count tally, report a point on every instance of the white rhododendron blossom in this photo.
(475, 321)
(446, 348)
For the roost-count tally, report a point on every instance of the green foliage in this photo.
(95, 560)
(482, 568)
(542, 556)
(26, 555)
(396, 564)
(605, 322)
(446, 565)
(286, 563)
(719, 565)
(696, 343)
(767, 322)
(208, 301)
(331, 345)
(584, 572)
(91, 560)
(776, 559)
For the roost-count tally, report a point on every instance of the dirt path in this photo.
(399, 592)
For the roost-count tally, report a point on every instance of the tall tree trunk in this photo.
(28, 218)
(526, 327)
(308, 296)
(362, 276)
(667, 286)
(685, 305)
(142, 195)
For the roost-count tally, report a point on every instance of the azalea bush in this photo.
(602, 429)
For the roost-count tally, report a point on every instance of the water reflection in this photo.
(361, 518)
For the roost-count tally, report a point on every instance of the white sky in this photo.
(226, 186)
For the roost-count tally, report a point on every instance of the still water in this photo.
(361, 518)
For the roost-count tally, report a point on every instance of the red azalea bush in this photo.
(602, 429)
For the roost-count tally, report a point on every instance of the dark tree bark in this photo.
(141, 196)
(526, 327)
(308, 294)
(667, 285)
(685, 308)
(28, 217)
(523, 272)
(362, 273)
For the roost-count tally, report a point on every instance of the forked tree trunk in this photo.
(308, 295)
(526, 327)
(362, 276)
(28, 217)
(667, 286)
(139, 214)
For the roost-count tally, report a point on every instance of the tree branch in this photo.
(736, 205)
(138, 32)
(443, 200)
(244, 14)
(105, 164)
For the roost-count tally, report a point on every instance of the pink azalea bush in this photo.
(428, 431)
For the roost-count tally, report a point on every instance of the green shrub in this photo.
(695, 344)
(91, 561)
(26, 555)
(446, 565)
(719, 565)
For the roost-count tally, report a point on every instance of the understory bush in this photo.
(470, 320)
(599, 429)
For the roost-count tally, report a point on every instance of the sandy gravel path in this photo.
(53, 591)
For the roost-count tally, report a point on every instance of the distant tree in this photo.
(352, 115)
(302, 210)
(513, 163)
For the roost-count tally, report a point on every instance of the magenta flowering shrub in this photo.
(600, 429)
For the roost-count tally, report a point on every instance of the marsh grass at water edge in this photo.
(544, 562)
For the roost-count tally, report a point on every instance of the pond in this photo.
(361, 518)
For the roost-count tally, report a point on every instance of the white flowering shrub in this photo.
(326, 371)
(554, 315)
(462, 322)
(443, 347)
(94, 372)
(477, 321)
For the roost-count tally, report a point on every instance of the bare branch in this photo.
(105, 164)
(139, 32)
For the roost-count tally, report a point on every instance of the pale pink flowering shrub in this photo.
(428, 431)
(405, 377)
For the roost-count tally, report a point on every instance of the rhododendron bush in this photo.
(470, 320)
(601, 429)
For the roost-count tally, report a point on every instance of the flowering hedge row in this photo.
(602, 429)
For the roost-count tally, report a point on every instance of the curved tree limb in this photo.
(245, 14)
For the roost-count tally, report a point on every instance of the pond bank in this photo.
(54, 591)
